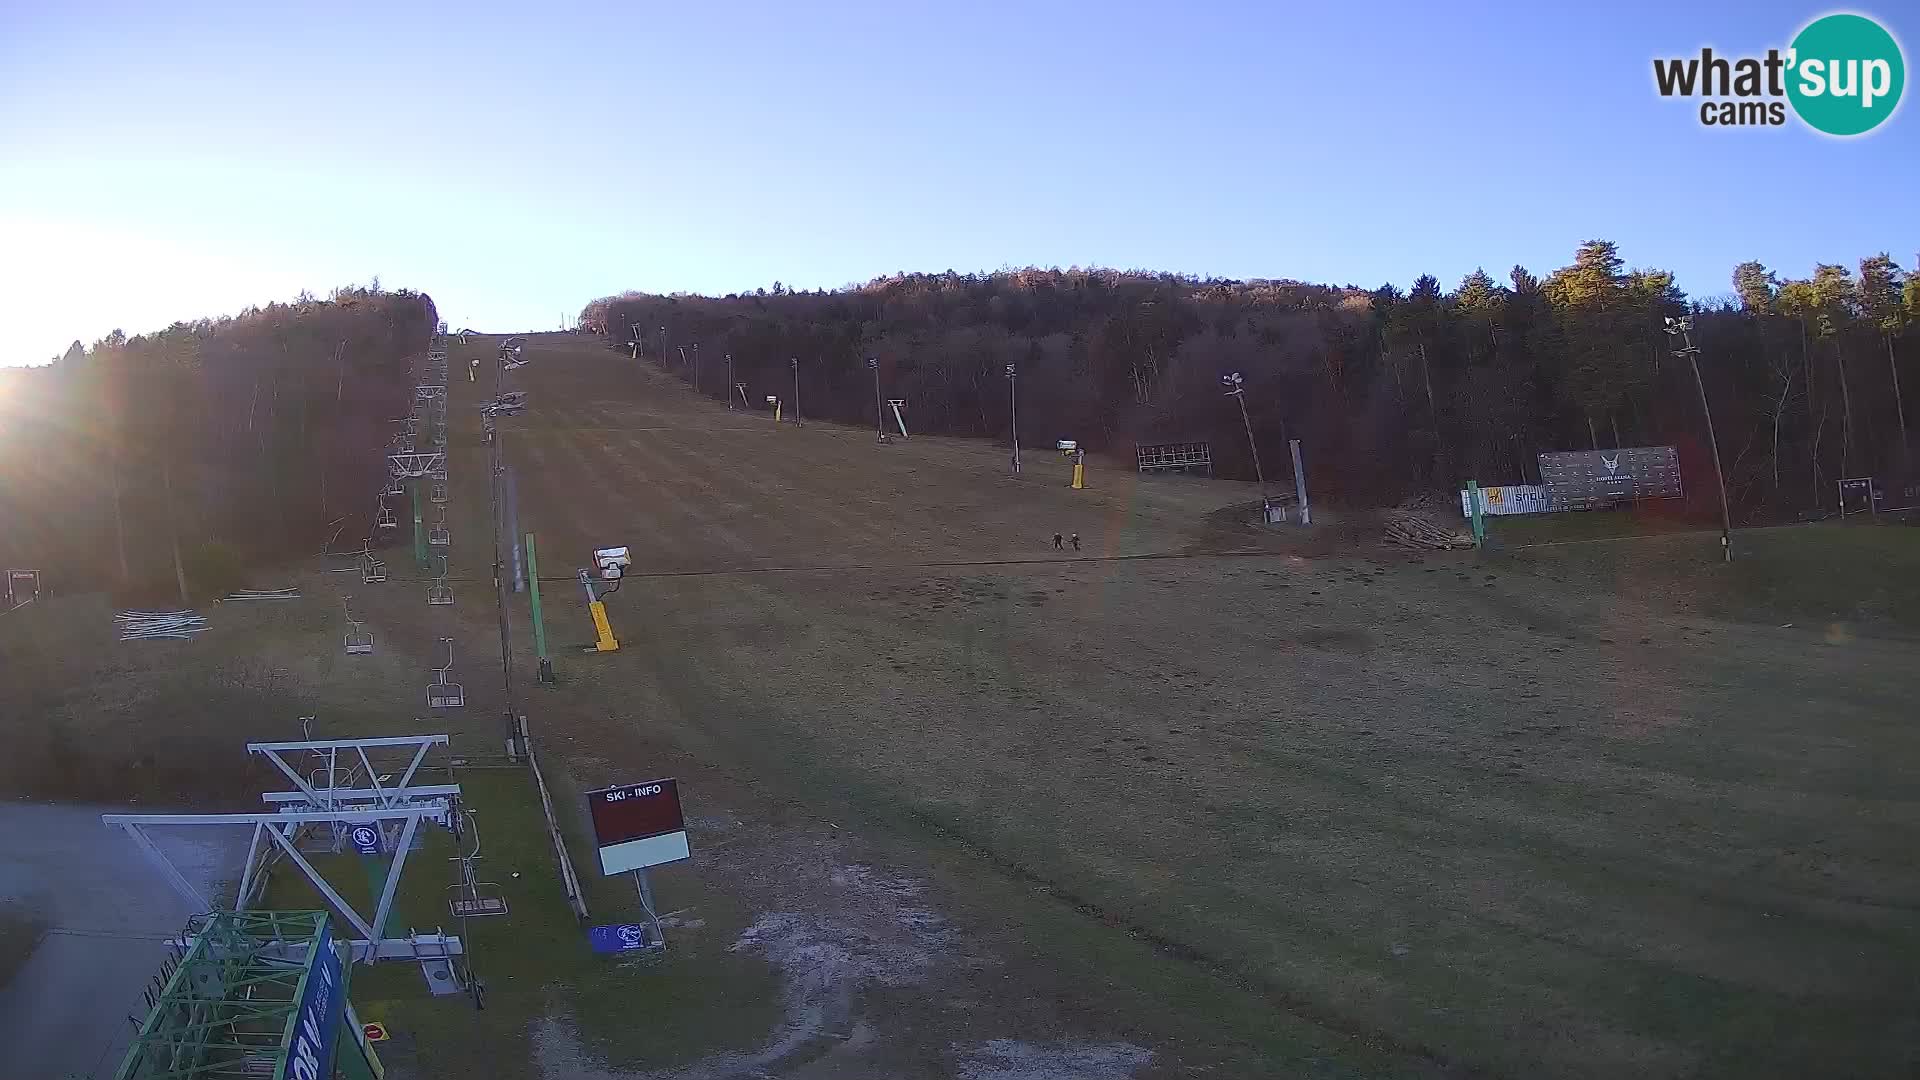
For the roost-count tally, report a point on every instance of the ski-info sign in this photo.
(638, 825)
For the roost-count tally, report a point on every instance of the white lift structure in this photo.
(408, 466)
(346, 795)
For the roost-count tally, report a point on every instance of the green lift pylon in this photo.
(419, 530)
(233, 1005)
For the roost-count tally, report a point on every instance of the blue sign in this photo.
(365, 839)
(623, 938)
(315, 1022)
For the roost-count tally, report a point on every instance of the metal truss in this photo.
(228, 1006)
(281, 830)
(412, 465)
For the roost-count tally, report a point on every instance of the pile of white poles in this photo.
(263, 594)
(151, 625)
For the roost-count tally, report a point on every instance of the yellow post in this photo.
(602, 629)
(776, 411)
(1079, 470)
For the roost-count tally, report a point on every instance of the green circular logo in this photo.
(1846, 75)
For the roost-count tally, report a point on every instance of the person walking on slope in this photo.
(1076, 541)
(1056, 541)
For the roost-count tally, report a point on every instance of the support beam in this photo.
(314, 878)
(438, 810)
(323, 744)
(246, 869)
(180, 884)
(385, 903)
(344, 797)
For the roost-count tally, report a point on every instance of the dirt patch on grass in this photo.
(1009, 1059)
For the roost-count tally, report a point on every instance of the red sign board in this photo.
(638, 825)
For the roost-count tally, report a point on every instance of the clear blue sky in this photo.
(516, 160)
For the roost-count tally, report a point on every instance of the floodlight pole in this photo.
(1683, 329)
(1013, 407)
(879, 410)
(1236, 389)
(516, 744)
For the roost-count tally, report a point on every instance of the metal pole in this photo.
(1300, 482)
(515, 749)
(879, 412)
(419, 529)
(1258, 472)
(730, 382)
(1726, 516)
(512, 522)
(796, 389)
(1013, 406)
(539, 623)
(696, 367)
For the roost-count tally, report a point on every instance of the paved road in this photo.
(107, 912)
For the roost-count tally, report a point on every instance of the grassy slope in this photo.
(1517, 829)
(535, 961)
(1864, 576)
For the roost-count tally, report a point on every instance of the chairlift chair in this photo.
(438, 536)
(443, 693)
(473, 898)
(385, 519)
(359, 640)
(440, 594)
(439, 493)
(373, 570)
(395, 487)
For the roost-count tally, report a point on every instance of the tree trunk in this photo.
(1846, 413)
(1593, 437)
(1426, 372)
(119, 521)
(1615, 421)
(1813, 451)
(1780, 407)
(1899, 409)
(173, 533)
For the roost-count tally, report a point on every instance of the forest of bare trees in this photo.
(183, 454)
(1392, 392)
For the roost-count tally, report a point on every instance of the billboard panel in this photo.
(316, 1022)
(1507, 499)
(1595, 479)
(638, 825)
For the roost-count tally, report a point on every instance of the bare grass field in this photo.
(1196, 800)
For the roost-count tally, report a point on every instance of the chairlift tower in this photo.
(1013, 409)
(341, 798)
(228, 1001)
